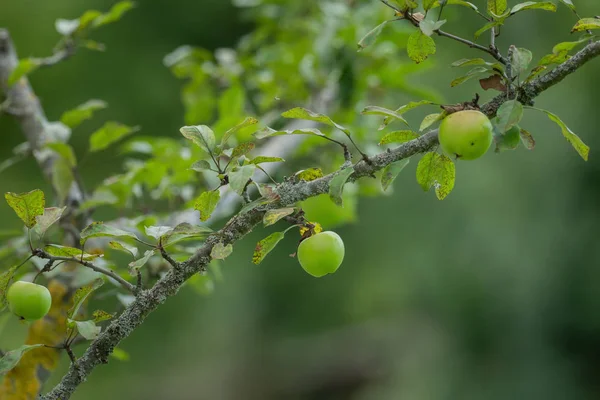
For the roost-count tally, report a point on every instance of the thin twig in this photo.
(111, 274)
(168, 258)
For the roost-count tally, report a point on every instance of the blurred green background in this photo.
(490, 294)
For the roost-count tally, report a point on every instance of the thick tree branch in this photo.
(240, 225)
(24, 104)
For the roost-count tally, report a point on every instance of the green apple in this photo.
(321, 254)
(467, 134)
(28, 300)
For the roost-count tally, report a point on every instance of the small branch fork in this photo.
(289, 194)
(492, 50)
(111, 274)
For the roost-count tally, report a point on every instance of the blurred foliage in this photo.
(489, 294)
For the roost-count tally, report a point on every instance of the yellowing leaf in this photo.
(585, 24)
(27, 205)
(221, 251)
(272, 216)
(420, 46)
(309, 174)
(437, 171)
(265, 246)
(398, 137)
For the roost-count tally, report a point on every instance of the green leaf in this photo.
(571, 137)
(391, 172)
(65, 151)
(430, 120)
(157, 232)
(265, 246)
(114, 14)
(62, 178)
(242, 149)
(303, 113)
(100, 315)
(532, 5)
(268, 132)
(50, 216)
(27, 205)
(123, 247)
(201, 165)
(244, 124)
(520, 60)
(110, 133)
(220, 251)
(398, 137)
(25, 67)
(87, 19)
(272, 216)
(309, 174)
(238, 178)
(420, 46)
(207, 203)
(87, 329)
(585, 24)
(437, 171)
(81, 296)
(256, 203)
(183, 231)
(560, 53)
(201, 135)
(85, 111)
(402, 110)
(56, 250)
(508, 140)
(393, 115)
(134, 266)
(487, 27)
(5, 279)
(472, 73)
(263, 159)
(428, 27)
(371, 36)
(99, 229)
(336, 186)
(465, 62)
(12, 358)
(508, 115)
(496, 7)
(527, 139)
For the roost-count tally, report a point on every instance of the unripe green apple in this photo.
(466, 134)
(321, 254)
(28, 300)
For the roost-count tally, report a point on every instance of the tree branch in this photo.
(289, 193)
(111, 274)
(528, 92)
(240, 225)
(21, 99)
